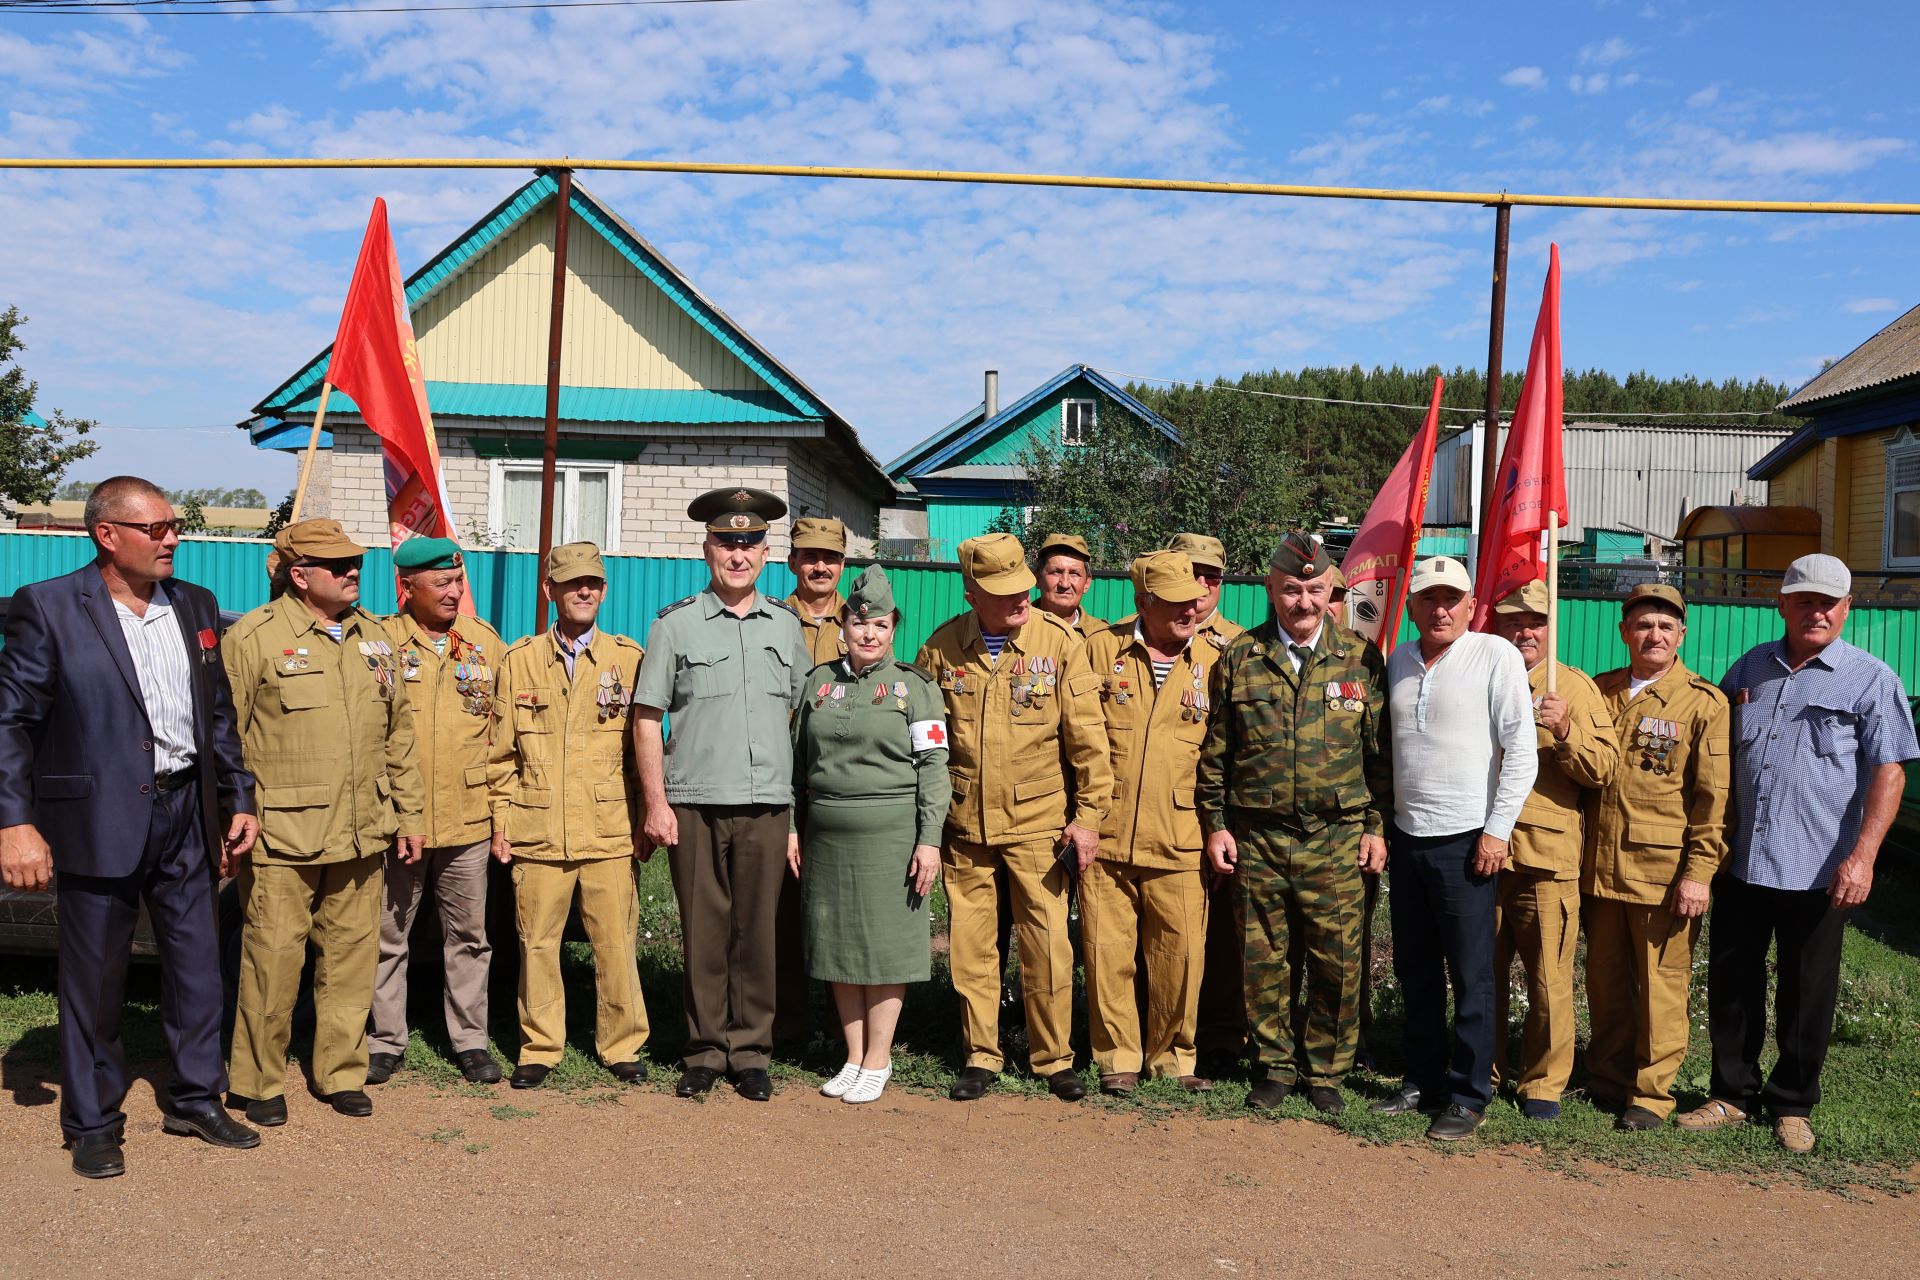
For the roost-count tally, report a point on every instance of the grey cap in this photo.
(1824, 575)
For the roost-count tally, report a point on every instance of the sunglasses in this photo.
(338, 568)
(156, 530)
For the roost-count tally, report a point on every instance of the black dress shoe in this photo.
(1268, 1094)
(1067, 1085)
(1455, 1123)
(972, 1082)
(753, 1084)
(351, 1102)
(530, 1075)
(478, 1066)
(1638, 1120)
(628, 1072)
(1326, 1100)
(381, 1066)
(269, 1112)
(1403, 1103)
(213, 1125)
(695, 1081)
(98, 1156)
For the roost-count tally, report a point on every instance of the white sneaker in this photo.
(870, 1085)
(838, 1086)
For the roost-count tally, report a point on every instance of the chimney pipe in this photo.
(993, 394)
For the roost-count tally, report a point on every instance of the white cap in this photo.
(1824, 575)
(1439, 571)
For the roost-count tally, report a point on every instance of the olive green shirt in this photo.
(855, 738)
(730, 684)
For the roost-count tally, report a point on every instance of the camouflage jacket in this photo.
(1305, 750)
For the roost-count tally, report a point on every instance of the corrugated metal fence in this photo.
(234, 569)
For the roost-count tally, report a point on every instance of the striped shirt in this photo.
(165, 673)
(1805, 745)
(994, 645)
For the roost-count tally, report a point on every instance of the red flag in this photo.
(375, 362)
(1380, 560)
(1531, 492)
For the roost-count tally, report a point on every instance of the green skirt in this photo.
(864, 925)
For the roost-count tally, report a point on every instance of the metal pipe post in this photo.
(563, 208)
(1496, 335)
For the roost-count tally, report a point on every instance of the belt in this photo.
(177, 779)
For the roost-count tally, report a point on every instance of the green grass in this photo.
(1869, 1121)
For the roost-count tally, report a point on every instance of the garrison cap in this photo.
(872, 594)
(1655, 593)
(738, 515)
(1071, 543)
(571, 560)
(426, 553)
(1166, 575)
(1200, 549)
(317, 540)
(1301, 555)
(1528, 598)
(997, 564)
(1439, 571)
(822, 533)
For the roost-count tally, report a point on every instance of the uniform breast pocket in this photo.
(1252, 717)
(706, 674)
(302, 690)
(777, 670)
(1835, 731)
(530, 714)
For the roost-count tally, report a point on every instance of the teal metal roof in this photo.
(582, 404)
(32, 419)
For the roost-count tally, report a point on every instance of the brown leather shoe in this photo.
(1639, 1120)
(1119, 1083)
(1714, 1114)
(1794, 1134)
(1196, 1084)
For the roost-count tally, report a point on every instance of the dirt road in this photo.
(640, 1183)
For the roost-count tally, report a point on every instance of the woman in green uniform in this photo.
(871, 793)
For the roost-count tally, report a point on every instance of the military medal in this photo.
(1122, 696)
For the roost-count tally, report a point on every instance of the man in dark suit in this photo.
(118, 758)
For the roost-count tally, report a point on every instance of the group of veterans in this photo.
(1220, 803)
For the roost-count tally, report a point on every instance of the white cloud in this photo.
(1806, 153)
(1525, 78)
(1440, 103)
(1871, 306)
(1705, 97)
(1606, 53)
(1591, 84)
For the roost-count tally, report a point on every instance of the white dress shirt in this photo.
(1464, 751)
(165, 672)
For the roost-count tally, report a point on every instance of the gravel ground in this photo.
(490, 1182)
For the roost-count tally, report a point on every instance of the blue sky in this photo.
(165, 306)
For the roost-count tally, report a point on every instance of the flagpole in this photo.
(1548, 549)
(313, 445)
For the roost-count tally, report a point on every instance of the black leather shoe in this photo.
(351, 1102)
(1453, 1124)
(695, 1081)
(1404, 1103)
(530, 1075)
(478, 1066)
(1326, 1100)
(972, 1082)
(381, 1066)
(1067, 1085)
(213, 1125)
(1268, 1094)
(628, 1072)
(753, 1084)
(98, 1156)
(1638, 1120)
(267, 1112)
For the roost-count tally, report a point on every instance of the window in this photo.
(1901, 542)
(1076, 422)
(586, 504)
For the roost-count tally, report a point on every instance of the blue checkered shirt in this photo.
(1805, 745)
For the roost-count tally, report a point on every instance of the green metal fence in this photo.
(234, 569)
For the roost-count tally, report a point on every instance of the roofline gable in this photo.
(962, 437)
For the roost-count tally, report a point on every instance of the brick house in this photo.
(662, 397)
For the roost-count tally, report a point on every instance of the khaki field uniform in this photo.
(560, 785)
(1028, 755)
(1663, 819)
(328, 736)
(1538, 918)
(825, 643)
(451, 697)
(1143, 893)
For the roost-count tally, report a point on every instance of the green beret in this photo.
(426, 553)
(872, 594)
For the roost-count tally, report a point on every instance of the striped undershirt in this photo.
(165, 672)
(994, 645)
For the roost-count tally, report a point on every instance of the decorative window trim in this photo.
(566, 479)
(1091, 423)
(1903, 455)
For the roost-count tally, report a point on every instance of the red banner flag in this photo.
(375, 361)
(1380, 560)
(1530, 496)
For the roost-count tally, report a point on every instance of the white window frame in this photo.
(1092, 422)
(1902, 450)
(566, 479)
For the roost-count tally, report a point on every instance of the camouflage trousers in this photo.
(1292, 885)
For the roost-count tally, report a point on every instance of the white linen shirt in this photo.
(1464, 750)
(165, 672)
